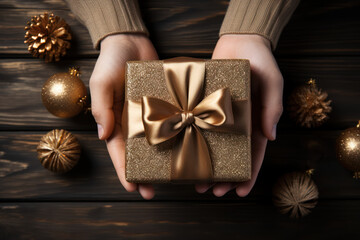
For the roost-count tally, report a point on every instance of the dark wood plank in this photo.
(22, 80)
(191, 27)
(94, 178)
(175, 220)
(12, 32)
(21, 84)
(322, 28)
(337, 76)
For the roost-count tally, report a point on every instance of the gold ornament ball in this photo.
(348, 149)
(59, 151)
(295, 194)
(64, 94)
(48, 36)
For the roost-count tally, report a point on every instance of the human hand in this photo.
(107, 94)
(266, 90)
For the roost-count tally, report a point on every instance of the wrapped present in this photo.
(187, 120)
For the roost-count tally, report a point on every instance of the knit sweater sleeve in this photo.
(106, 17)
(263, 17)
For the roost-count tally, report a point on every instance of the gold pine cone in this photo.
(47, 37)
(59, 151)
(309, 106)
(295, 194)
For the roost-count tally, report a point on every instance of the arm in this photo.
(250, 30)
(116, 27)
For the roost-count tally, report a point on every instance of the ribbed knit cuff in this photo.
(263, 17)
(106, 17)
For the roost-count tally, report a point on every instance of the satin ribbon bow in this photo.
(184, 120)
(163, 121)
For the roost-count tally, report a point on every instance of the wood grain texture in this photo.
(20, 98)
(22, 80)
(321, 41)
(175, 220)
(191, 27)
(94, 178)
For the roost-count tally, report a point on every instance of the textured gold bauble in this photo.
(308, 105)
(348, 149)
(59, 151)
(48, 36)
(64, 94)
(295, 194)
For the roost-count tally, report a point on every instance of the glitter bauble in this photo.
(348, 149)
(64, 94)
(59, 151)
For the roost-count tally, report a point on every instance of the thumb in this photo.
(102, 106)
(271, 103)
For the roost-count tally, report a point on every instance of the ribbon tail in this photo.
(190, 157)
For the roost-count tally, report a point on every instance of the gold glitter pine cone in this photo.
(59, 151)
(295, 194)
(47, 37)
(308, 105)
(348, 149)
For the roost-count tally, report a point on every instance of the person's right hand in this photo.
(107, 94)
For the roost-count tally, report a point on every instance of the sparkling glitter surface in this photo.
(230, 153)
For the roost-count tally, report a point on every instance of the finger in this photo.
(106, 88)
(271, 89)
(116, 148)
(203, 187)
(102, 95)
(102, 108)
(258, 142)
(220, 189)
(146, 191)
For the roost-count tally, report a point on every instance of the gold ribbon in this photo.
(160, 120)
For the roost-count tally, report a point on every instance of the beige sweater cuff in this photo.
(106, 17)
(263, 17)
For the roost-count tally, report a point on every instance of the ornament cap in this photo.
(75, 71)
(310, 172)
(358, 125)
(312, 82)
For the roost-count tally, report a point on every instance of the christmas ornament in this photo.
(308, 105)
(47, 37)
(64, 94)
(348, 149)
(295, 194)
(59, 151)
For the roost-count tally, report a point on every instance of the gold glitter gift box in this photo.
(222, 96)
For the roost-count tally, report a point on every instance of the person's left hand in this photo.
(266, 94)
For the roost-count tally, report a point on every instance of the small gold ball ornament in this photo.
(48, 36)
(59, 151)
(348, 149)
(295, 194)
(64, 94)
(308, 105)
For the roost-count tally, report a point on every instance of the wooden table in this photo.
(322, 40)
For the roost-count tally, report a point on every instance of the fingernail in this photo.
(100, 131)
(273, 133)
(202, 189)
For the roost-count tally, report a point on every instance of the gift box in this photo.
(187, 120)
